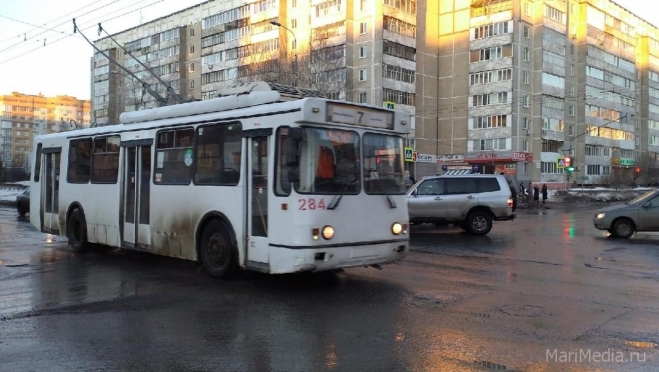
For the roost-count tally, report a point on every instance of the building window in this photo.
(570, 130)
(525, 168)
(192, 49)
(572, 90)
(571, 110)
(571, 70)
(526, 32)
(362, 97)
(362, 5)
(489, 144)
(525, 123)
(527, 55)
(593, 170)
(363, 28)
(191, 32)
(192, 67)
(527, 9)
(363, 51)
(294, 4)
(294, 44)
(525, 145)
(191, 84)
(362, 74)
(525, 77)
(525, 100)
(293, 23)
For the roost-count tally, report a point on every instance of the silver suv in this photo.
(471, 201)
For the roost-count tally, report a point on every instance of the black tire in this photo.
(623, 228)
(217, 251)
(22, 211)
(76, 231)
(479, 223)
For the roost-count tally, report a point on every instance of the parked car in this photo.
(623, 220)
(23, 202)
(471, 201)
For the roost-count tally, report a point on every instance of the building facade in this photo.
(25, 116)
(523, 83)
(357, 50)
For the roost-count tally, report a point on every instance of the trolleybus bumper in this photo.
(290, 259)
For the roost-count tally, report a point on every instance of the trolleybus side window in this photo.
(174, 157)
(218, 151)
(285, 161)
(384, 171)
(105, 160)
(79, 167)
(37, 164)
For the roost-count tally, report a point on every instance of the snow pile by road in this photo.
(9, 191)
(597, 194)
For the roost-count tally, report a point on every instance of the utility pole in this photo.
(296, 67)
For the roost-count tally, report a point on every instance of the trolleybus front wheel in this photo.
(76, 231)
(217, 253)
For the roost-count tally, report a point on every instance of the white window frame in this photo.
(363, 97)
(363, 74)
(363, 28)
(363, 51)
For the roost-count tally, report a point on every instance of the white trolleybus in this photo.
(261, 178)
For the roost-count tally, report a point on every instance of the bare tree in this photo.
(319, 66)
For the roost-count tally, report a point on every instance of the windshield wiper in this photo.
(392, 204)
(337, 198)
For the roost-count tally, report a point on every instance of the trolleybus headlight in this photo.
(328, 232)
(396, 228)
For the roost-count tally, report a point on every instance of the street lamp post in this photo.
(296, 67)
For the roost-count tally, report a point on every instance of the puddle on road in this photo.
(641, 344)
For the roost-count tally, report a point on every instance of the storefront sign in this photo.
(622, 162)
(426, 158)
(507, 169)
(498, 156)
(451, 158)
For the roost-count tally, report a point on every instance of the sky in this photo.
(39, 54)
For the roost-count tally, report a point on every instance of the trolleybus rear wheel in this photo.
(217, 253)
(76, 231)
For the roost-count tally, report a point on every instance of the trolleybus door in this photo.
(136, 231)
(50, 171)
(257, 197)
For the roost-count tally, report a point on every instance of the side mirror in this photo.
(415, 192)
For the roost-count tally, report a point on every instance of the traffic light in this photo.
(568, 165)
(637, 170)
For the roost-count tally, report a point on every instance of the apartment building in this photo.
(523, 83)
(357, 50)
(24, 116)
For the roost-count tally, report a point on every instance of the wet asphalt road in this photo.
(520, 299)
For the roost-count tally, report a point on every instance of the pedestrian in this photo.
(514, 195)
(544, 193)
(536, 194)
(521, 187)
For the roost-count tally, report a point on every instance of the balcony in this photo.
(553, 135)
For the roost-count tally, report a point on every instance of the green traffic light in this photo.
(570, 169)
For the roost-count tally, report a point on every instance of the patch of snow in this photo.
(9, 195)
